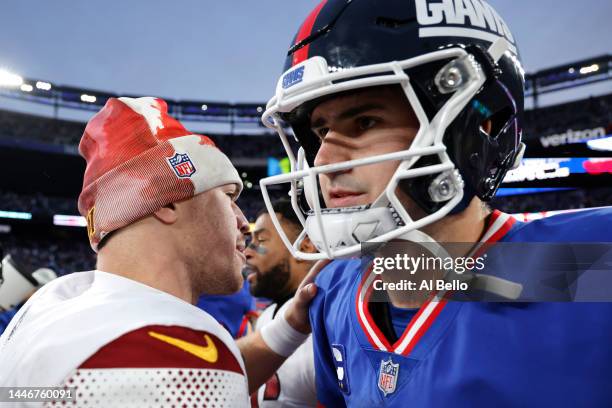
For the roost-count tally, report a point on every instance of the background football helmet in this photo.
(459, 67)
(17, 282)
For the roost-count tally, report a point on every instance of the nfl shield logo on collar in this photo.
(182, 165)
(387, 376)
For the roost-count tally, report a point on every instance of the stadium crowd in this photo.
(582, 114)
(595, 111)
(37, 203)
(24, 127)
(61, 255)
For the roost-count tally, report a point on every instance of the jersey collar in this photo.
(499, 224)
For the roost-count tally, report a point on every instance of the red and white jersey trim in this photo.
(499, 225)
(421, 322)
(413, 332)
(71, 318)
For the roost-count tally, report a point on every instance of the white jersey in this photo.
(293, 385)
(121, 343)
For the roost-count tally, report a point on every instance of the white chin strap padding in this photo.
(344, 227)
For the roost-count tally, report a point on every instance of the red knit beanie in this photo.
(140, 159)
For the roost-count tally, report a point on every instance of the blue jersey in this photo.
(232, 311)
(6, 317)
(467, 354)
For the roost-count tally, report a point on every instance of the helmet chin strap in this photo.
(344, 227)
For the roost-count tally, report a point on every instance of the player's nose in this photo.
(334, 149)
(249, 251)
(241, 222)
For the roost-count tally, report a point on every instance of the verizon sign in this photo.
(572, 136)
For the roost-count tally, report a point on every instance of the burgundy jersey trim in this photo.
(165, 347)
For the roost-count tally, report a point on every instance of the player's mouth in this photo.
(345, 198)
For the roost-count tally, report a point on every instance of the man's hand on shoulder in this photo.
(297, 312)
(265, 350)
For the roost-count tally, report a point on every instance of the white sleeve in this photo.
(293, 385)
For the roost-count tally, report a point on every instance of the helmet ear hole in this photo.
(486, 126)
(499, 121)
(306, 195)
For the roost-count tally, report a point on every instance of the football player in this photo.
(161, 214)
(275, 274)
(408, 114)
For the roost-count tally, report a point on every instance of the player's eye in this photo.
(366, 122)
(231, 193)
(321, 132)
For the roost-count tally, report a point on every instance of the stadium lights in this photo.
(43, 86)
(88, 98)
(589, 69)
(26, 87)
(69, 220)
(204, 107)
(15, 215)
(9, 79)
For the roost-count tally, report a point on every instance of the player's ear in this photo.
(167, 214)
